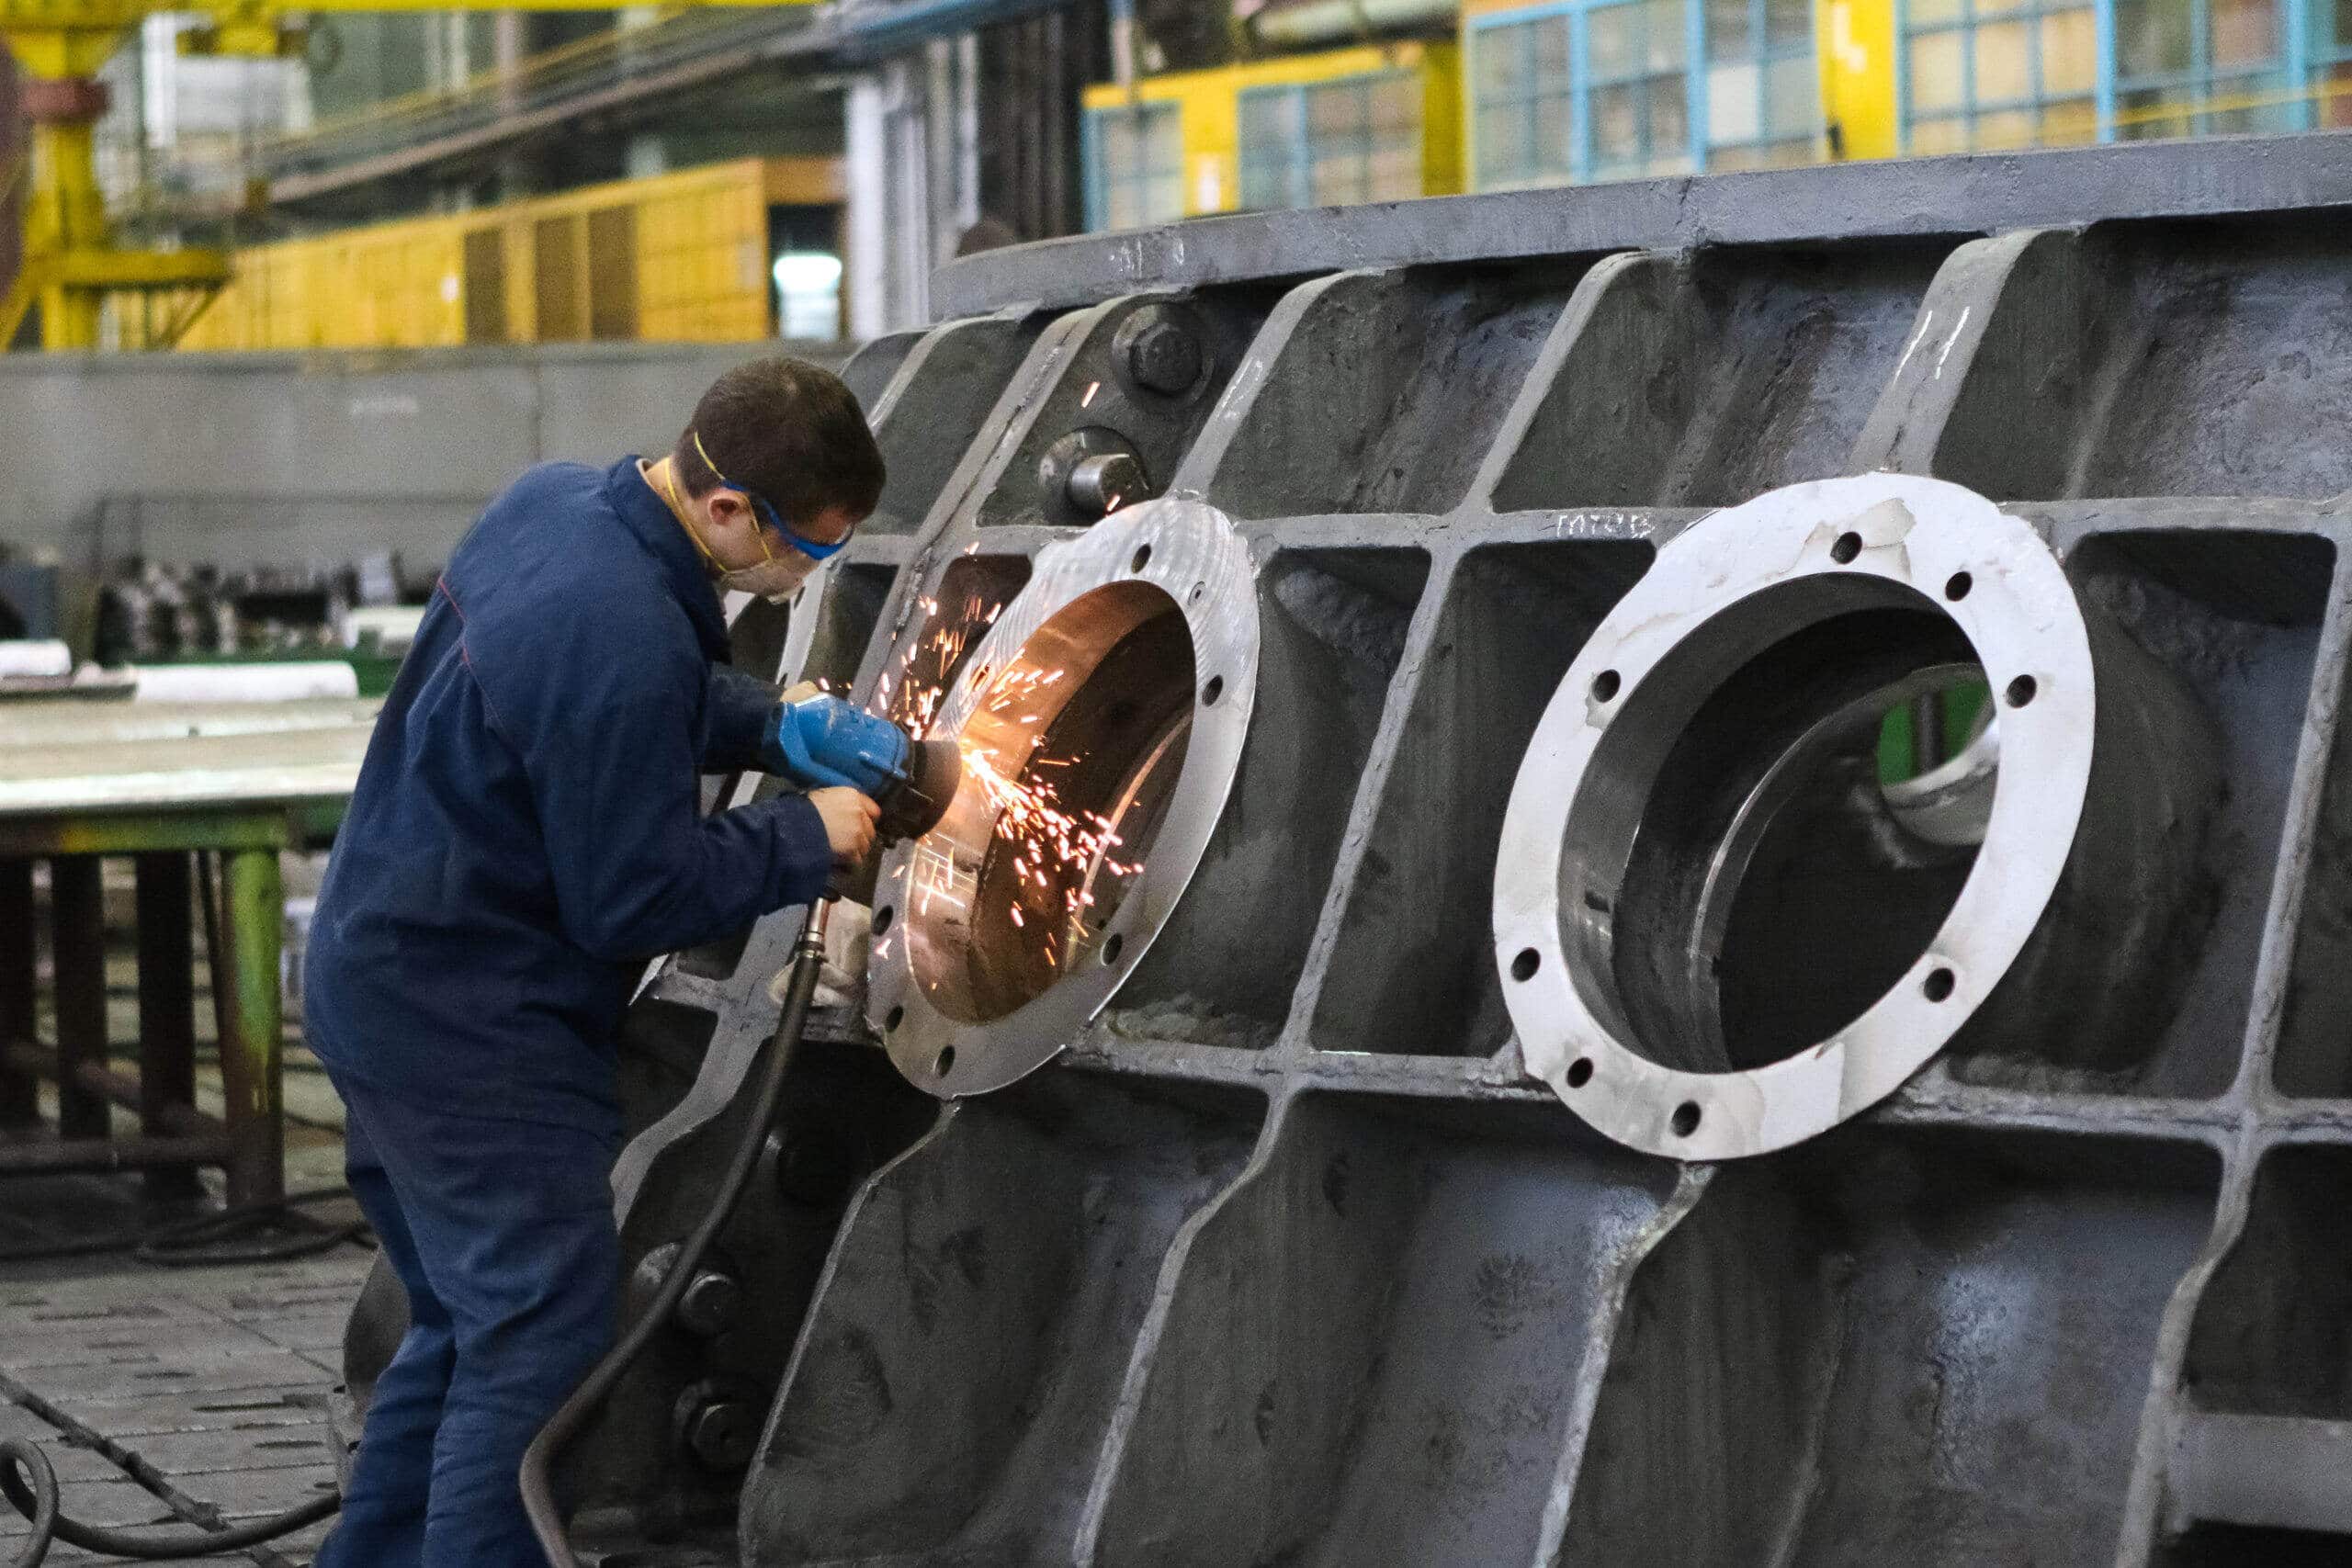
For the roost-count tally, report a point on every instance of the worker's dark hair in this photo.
(788, 432)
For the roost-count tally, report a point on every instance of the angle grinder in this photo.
(822, 743)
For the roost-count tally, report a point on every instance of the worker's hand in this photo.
(849, 817)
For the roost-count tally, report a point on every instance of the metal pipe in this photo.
(1323, 21)
(179, 1119)
(1123, 47)
(80, 1154)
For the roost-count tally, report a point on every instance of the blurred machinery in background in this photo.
(1486, 1052)
(71, 264)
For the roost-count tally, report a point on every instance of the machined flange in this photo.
(1726, 711)
(1120, 682)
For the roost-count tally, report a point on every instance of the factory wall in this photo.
(259, 458)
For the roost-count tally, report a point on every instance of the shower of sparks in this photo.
(1053, 848)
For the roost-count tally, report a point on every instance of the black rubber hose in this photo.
(538, 1459)
(30, 1483)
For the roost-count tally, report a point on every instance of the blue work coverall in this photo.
(523, 837)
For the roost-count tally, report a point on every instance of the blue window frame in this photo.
(1351, 139)
(1134, 166)
(1618, 89)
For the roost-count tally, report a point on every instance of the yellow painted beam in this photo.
(111, 270)
(51, 51)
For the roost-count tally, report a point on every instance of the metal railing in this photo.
(676, 39)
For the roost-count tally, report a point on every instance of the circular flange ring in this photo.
(1567, 831)
(1190, 553)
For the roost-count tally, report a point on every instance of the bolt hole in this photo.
(1847, 547)
(1686, 1119)
(1604, 685)
(882, 918)
(943, 1062)
(898, 1016)
(2021, 691)
(1111, 948)
(1957, 585)
(1580, 1072)
(1213, 689)
(1523, 966)
(1200, 590)
(1142, 559)
(1938, 984)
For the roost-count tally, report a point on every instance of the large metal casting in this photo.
(1587, 554)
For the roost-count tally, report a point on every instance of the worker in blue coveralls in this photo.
(525, 835)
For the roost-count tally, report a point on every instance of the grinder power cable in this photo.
(820, 742)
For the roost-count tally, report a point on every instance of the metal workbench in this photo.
(175, 790)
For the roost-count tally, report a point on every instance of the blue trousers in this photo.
(501, 1230)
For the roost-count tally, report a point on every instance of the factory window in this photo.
(1134, 166)
(1763, 84)
(1636, 89)
(1522, 92)
(809, 295)
(1993, 73)
(1323, 143)
(2332, 83)
(1599, 92)
(2193, 67)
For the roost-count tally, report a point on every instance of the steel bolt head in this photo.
(712, 1304)
(722, 1433)
(1163, 354)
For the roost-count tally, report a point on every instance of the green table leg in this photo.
(20, 1092)
(252, 1051)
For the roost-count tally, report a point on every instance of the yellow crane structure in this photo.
(71, 263)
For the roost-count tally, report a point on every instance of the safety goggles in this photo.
(805, 546)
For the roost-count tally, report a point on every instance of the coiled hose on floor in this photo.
(28, 1478)
(30, 1482)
